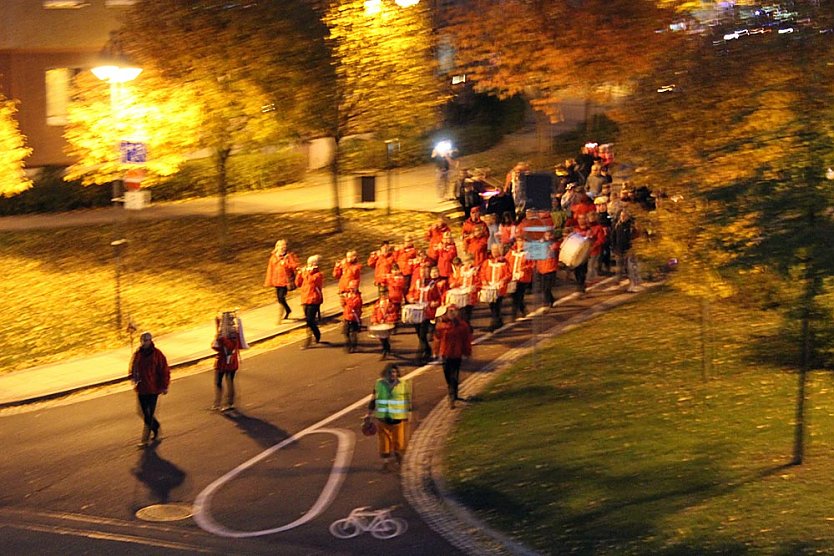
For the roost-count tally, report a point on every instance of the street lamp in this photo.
(116, 75)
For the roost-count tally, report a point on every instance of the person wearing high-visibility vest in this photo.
(390, 404)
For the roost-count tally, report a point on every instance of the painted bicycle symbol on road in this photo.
(380, 523)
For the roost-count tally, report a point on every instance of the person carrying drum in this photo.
(351, 315)
(383, 319)
(463, 286)
(391, 405)
(424, 298)
(453, 342)
(522, 274)
(495, 275)
(546, 268)
(446, 252)
(311, 282)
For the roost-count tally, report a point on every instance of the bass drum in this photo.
(575, 250)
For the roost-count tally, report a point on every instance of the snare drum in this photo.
(380, 331)
(575, 250)
(458, 296)
(488, 294)
(413, 313)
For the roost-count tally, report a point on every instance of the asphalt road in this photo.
(73, 479)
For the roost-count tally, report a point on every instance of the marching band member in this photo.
(546, 268)
(403, 256)
(381, 261)
(470, 225)
(465, 275)
(446, 251)
(385, 312)
(311, 282)
(280, 272)
(495, 273)
(476, 243)
(434, 236)
(348, 270)
(416, 263)
(352, 315)
(227, 344)
(396, 285)
(522, 275)
(424, 290)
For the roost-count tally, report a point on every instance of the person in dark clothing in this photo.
(151, 376)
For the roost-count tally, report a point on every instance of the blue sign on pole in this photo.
(133, 152)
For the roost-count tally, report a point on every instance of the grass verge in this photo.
(611, 441)
(60, 284)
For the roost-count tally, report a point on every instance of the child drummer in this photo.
(385, 312)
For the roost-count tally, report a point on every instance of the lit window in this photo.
(58, 82)
(64, 4)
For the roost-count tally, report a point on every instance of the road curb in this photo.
(423, 480)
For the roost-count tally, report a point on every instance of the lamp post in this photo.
(116, 76)
(391, 147)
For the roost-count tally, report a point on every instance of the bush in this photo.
(50, 193)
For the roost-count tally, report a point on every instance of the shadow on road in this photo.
(159, 475)
(264, 433)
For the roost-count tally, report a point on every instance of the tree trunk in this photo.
(334, 176)
(222, 156)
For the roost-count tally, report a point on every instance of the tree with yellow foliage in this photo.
(13, 152)
(385, 82)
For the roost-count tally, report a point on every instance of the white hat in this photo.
(313, 260)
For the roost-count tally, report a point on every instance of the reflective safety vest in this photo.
(392, 404)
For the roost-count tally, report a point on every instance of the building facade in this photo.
(43, 44)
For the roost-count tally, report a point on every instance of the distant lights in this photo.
(116, 74)
(374, 7)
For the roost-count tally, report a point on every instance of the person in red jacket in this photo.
(426, 291)
(547, 267)
(227, 344)
(465, 276)
(522, 274)
(280, 274)
(352, 315)
(434, 235)
(599, 235)
(347, 270)
(385, 312)
(311, 282)
(396, 285)
(453, 341)
(403, 256)
(496, 274)
(473, 227)
(151, 376)
(446, 252)
(381, 260)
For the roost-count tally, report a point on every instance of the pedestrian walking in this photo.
(390, 404)
(311, 281)
(150, 375)
(227, 343)
(453, 340)
(280, 274)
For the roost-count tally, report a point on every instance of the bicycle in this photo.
(380, 523)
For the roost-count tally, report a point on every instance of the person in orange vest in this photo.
(496, 274)
(347, 270)
(453, 342)
(546, 268)
(446, 251)
(280, 274)
(381, 261)
(522, 274)
(351, 315)
(311, 281)
(425, 291)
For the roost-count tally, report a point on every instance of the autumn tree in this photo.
(549, 50)
(251, 67)
(384, 73)
(13, 152)
(151, 110)
(740, 149)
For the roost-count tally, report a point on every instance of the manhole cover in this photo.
(165, 512)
